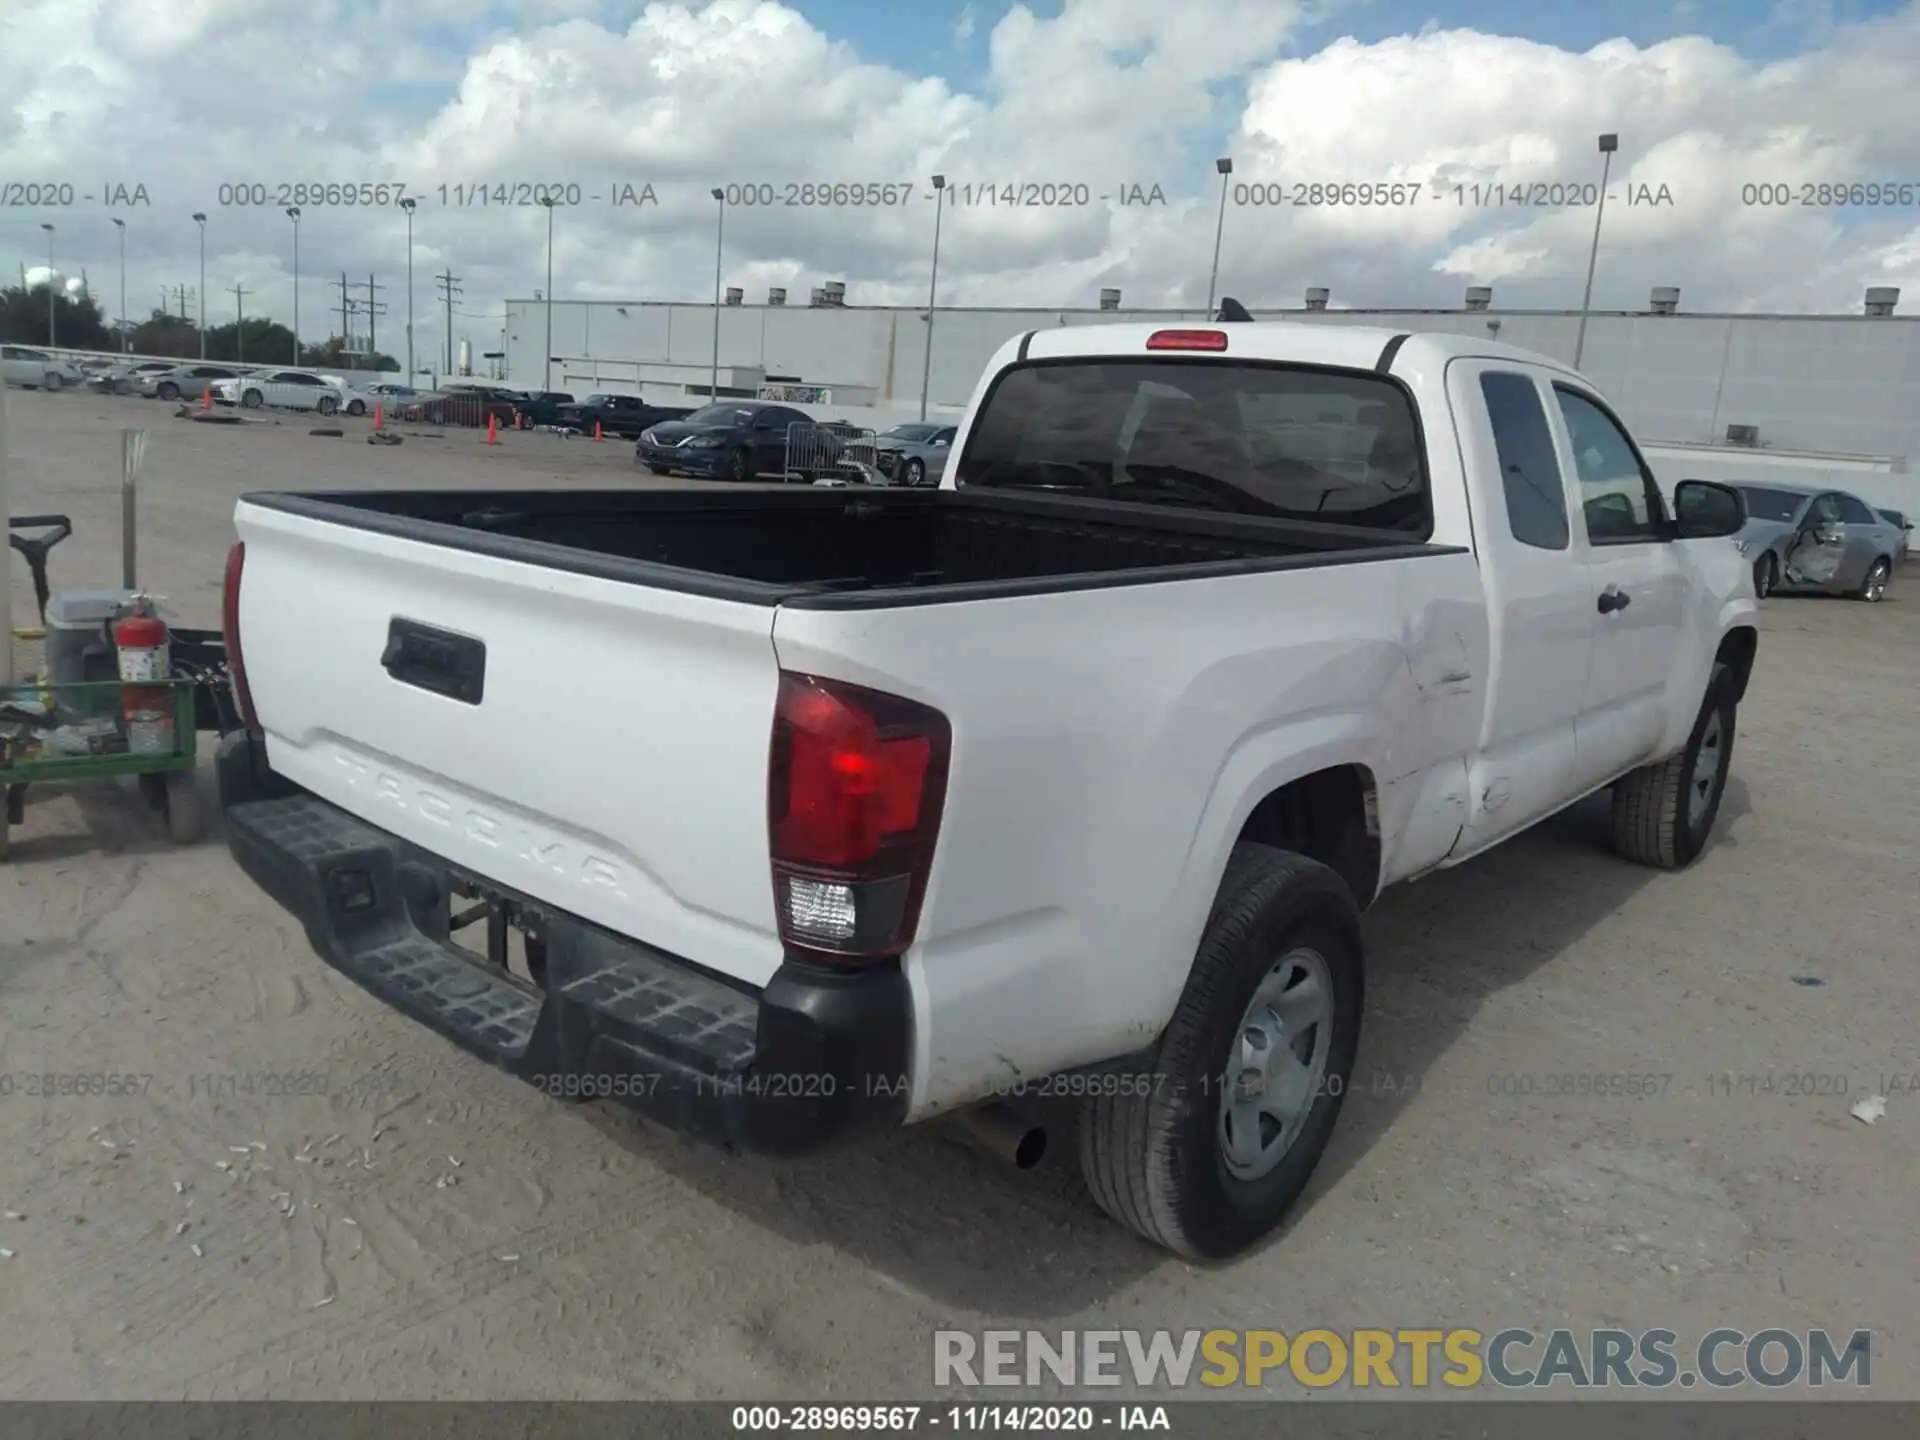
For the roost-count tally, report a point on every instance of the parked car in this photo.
(282, 390)
(124, 377)
(733, 440)
(621, 416)
(544, 407)
(189, 381)
(1817, 541)
(362, 396)
(914, 454)
(1069, 777)
(33, 369)
(1899, 520)
(458, 404)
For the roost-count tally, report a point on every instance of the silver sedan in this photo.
(1817, 541)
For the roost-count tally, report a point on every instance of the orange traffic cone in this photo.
(206, 398)
(379, 418)
(596, 431)
(493, 428)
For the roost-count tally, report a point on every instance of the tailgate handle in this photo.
(438, 660)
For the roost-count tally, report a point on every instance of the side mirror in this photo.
(1704, 510)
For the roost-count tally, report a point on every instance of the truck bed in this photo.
(833, 547)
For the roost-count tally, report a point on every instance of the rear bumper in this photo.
(816, 1056)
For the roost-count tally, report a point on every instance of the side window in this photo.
(1617, 496)
(1824, 511)
(1855, 512)
(1529, 470)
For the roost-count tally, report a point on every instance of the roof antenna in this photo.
(1231, 310)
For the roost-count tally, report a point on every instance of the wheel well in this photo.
(1736, 652)
(1329, 816)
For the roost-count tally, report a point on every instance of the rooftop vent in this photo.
(817, 298)
(834, 292)
(777, 295)
(1317, 297)
(1882, 298)
(1743, 435)
(1109, 299)
(1479, 297)
(1665, 299)
(735, 295)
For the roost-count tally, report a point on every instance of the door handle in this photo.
(1612, 600)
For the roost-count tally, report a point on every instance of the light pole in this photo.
(719, 240)
(52, 340)
(1224, 165)
(126, 345)
(547, 200)
(933, 280)
(406, 204)
(200, 219)
(1608, 144)
(293, 214)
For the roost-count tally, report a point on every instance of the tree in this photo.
(164, 334)
(333, 356)
(78, 323)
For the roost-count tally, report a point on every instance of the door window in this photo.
(1618, 496)
(1529, 471)
(1855, 512)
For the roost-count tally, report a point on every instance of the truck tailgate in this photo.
(614, 764)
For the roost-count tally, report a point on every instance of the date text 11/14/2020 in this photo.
(464, 195)
(1405, 194)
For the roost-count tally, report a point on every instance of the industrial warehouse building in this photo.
(1832, 399)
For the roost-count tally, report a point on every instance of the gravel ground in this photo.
(427, 1228)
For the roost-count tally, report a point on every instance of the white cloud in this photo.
(963, 27)
(185, 95)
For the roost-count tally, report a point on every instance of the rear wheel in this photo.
(1205, 1154)
(1766, 574)
(914, 472)
(1873, 588)
(252, 400)
(326, 405)
(738, 467)
(168, 390)
(356, 408)
(52, 380)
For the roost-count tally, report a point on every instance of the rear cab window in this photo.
(1250, 438)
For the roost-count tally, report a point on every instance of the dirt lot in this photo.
(464, 1236)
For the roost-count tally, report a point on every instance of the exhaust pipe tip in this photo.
(1006, 1135)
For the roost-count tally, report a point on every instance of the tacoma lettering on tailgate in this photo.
(560, 857)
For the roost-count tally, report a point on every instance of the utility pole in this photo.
(239, 323)
(346, 311)
(376, 307)
(449, 292)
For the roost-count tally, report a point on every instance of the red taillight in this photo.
(1187, 340)
(230, 631)
(857, 781)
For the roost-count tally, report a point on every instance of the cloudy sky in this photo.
(205, 105)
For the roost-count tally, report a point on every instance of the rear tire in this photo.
(251, 399)
(52, 381)
(327, 406)
(1663, 814)
(1766, 574)
(356, 408)
(1156, 1155)
(1873, 589)
(168, 391)
(738, 466)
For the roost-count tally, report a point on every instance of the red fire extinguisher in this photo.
(141, 641)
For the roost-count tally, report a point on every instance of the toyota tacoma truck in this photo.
(824, 810)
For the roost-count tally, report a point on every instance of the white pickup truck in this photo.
(826, 809)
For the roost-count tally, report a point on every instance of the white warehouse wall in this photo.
(1844, 385)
